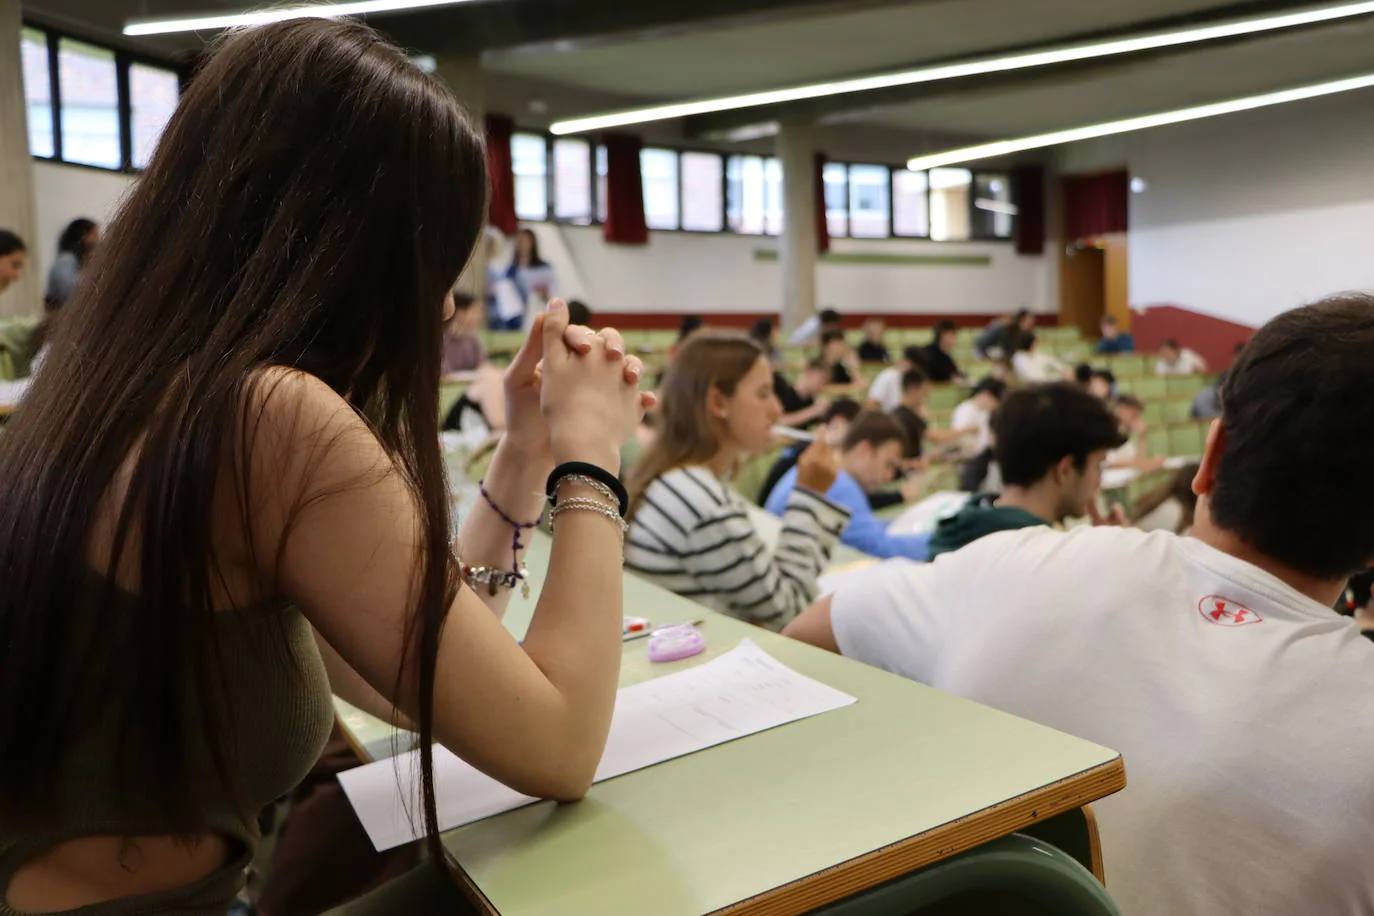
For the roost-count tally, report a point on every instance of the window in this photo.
(772, 196)
(910, 207)
(152, 99)
(601, 183)
(529, 156)
(33, 51)
(993, 210)
(703, 204)
(572, 181)
(835, 180)
(658, 168)
(744, 194)
(869, 189)
(949, 204)
(90, 104)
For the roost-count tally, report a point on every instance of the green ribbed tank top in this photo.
(275, 682)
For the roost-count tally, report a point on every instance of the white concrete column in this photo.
(463, 74)
(18, 211)
(796, 146)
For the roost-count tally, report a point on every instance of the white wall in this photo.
(704, 273)
(65, 192)
(679, 271)
(1248, 215)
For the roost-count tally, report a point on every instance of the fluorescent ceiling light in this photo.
(278, 14)
(973, 67)
(1073, 135)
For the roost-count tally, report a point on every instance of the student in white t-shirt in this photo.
(1214, 663)
(1176, 360)
(1033, 365)
(976, 413)
(886, 390)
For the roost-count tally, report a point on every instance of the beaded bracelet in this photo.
(495, 579)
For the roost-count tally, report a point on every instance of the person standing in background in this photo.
(529, 285)
(74, 247)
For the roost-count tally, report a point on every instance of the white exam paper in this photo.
(740, 693)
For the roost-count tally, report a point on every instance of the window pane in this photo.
(659, 173)
(835, 178)
(702, 206)
(529, 157)
(772, 186)
(572, 181)
(33, 49)
(868, 201)
(601, 184)
(910, 211)
(993, 211)
(949, 204)
(90, 104)
(152, 99)
(745, 201)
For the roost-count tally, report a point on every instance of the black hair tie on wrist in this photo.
(598, 474)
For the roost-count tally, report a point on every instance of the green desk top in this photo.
(802, 814)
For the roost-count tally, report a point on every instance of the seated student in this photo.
(870, 458)
(1133, 452)
(229, 539)
(74, 249)
(803, 405)
(886, 390)
(1102, 384)
(13, 256)
(988, 343)
(1213, 663)
(974, 414)
(762, 333)
(833, 428)
(463, 350)
(810, 330)
(939, 366)
(1170, 506)
(1033, 365)
(1176, 360)
(689, 530)
(1049, 442)
(873, 350)
(1114, 340)
(910, 413)
(839, 359)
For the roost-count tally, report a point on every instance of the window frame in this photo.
(123, 59)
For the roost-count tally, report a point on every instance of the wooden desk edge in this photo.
(881, 865)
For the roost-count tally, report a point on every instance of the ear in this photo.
(717, 404)
(1206, 477)
(1063, 468)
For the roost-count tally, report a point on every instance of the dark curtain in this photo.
(1095, 204)
(501, 210)
(624, 191)
(1028, 195)
(822, 227)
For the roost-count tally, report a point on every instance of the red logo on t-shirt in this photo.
(1226, 613)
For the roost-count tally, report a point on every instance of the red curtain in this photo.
(822, 227)
(1095, 204)
(1028, 195)
(624, 191)
(501, 208)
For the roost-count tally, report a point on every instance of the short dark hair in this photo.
(944, 325)
(10, 243)
(843, 407)
(761, 330)
(815, 365)
(913, 378)
(876, 428)
(1035, 428)
(579, 313)
(1281, 486)
(1109, 320)
(1020, 313)
(1170, 343)
(689, 325)
(913, 355)
(1025, 342)
(1129, 400)
(1106, 375)
(830, 316)
(989, 385)
(1083, 373)
(831, 336)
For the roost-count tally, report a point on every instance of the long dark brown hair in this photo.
(686, 432)
(310, 204)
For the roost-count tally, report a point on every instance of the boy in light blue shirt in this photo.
(870, 457)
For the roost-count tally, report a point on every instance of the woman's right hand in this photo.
(589, 392)
(817, 467)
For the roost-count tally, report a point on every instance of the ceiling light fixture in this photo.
(975, 67)
(279, 14)
(1127, 125)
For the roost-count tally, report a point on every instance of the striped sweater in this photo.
(692, 535)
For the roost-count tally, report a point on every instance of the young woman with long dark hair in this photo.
(227, 498)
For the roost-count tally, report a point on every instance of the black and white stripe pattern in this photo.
(692, 534)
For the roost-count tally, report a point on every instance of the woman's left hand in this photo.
(526, 432)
